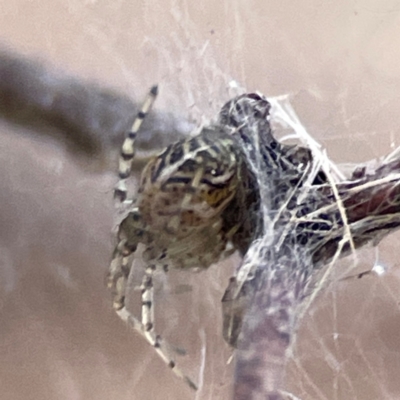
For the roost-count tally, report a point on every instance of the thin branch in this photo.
(87, 118)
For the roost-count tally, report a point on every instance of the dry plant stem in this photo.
(85, 117)
(372, 206)
(90, 120)
(265, 337)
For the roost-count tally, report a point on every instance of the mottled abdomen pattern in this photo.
(184, 195)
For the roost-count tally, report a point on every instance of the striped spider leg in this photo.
(128, 147)
(179, 216)
(131, 233)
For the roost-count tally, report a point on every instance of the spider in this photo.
(197, 202)
(189, 207)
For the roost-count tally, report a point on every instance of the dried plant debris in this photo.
(283, 207)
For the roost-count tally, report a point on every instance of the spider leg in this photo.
(128, 147)
(118, 273)
(117, 279)
(148, 326)
(147, 290)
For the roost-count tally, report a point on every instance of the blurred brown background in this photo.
(59, 338)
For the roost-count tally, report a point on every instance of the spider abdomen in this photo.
(183, 194)
(191, 190)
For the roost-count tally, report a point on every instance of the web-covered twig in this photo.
(308, 221)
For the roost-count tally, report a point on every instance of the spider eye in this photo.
(135, 216)
(210, 170)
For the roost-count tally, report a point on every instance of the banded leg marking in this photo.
(157, 343)
(118, 274)
(117, 279)
(148, 326)
(128, 147)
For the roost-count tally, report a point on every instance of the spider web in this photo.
(302, 235)
(339, 64)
